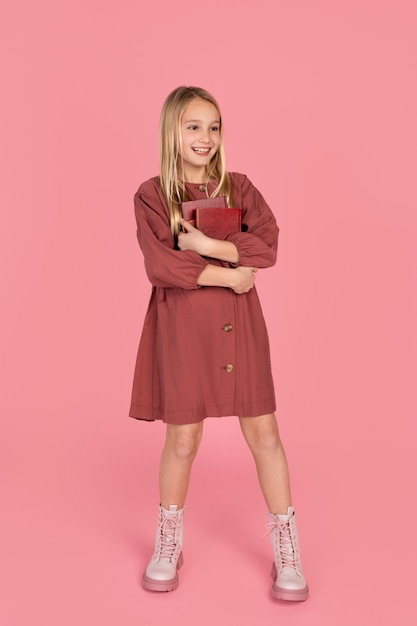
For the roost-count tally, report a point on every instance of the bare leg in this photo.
(262, 436)
(181, 446)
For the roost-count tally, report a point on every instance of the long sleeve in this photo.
(165, 266)
(258, 244)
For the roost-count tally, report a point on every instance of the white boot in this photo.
(287, 574)
(161, 573)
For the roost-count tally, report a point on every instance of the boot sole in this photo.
(150, 584)
(293, 595)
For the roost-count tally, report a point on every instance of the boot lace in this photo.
(285, 544)
(168, 537)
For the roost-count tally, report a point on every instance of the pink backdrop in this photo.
(319, 100)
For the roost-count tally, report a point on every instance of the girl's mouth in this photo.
(201, 150)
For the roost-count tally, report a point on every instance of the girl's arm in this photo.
(167, 267)
(164, 266)
(258, 243)
(255, 246)
(193, 239)
(241, 279)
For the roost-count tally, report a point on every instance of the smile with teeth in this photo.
(202, 150)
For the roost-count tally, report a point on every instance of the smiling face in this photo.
(200, 133)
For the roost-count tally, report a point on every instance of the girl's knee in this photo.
(261, 433)
(184, 440)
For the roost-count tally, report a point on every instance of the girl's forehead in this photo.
(198, 108)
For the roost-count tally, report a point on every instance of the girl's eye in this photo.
(214, 129)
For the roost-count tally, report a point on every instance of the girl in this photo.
(204, 348)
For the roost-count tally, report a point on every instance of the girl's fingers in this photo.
(187, 226)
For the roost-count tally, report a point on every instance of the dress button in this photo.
(227, 328)
(202, 188)
(229, 368)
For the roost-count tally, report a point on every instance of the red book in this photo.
(189, 208)
(218, 223)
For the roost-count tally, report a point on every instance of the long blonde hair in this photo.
(170, 143)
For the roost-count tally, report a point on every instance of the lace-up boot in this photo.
(161, 573)
(287, 574)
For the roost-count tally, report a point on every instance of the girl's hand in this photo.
(193, 239)
(243, 279)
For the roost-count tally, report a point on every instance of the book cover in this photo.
(189, 208)
(218, 223)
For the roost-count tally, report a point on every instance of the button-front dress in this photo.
(204, 351)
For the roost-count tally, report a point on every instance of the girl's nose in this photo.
(204, 137)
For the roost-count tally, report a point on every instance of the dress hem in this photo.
(192, 417)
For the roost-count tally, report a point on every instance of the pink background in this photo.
(319, 100)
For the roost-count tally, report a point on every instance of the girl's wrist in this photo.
(207, 248)
(229, 277)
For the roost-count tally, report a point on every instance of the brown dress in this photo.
(204, 351)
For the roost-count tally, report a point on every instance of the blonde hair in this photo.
(170, 144)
